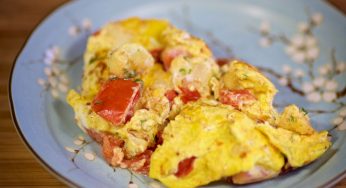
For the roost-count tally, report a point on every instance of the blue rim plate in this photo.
(299, 44)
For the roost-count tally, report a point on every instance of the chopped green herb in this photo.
(143, 121)
(190, 70)
(182, 71)
(138, 80)
(245, 76)
(292, 119)
(99, 56)
(93, 60)
(129, 73)
(304, 111)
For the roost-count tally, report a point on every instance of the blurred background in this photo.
(18, 18)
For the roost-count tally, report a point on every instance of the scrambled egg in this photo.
(223, 140)
(139, 133)
(299, 149)
(296, 120)
(113, 35)
(85, 117)
(244, 76)
(203, 139)
(194, 73)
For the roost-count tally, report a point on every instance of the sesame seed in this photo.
(342, 126)
(89, 156)
(41, 82)
(47, 71)
(64, 79)
(63, 87)
(78, 142)
(132, 185)
(54, 93)
(69, 149)
(81, 138)
(52, 81)
(73, 31)
(56, 70)
(337, 120)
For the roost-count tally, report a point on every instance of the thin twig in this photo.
(341, 93)
(278, 76)
(314, 111)
(77, 151)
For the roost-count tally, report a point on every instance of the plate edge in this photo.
(42, 162)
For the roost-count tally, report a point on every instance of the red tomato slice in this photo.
(188, 95)
(116, 100)
(156, 53)
(185, 167)
(168, 55)
(171, 94)
(236, 98)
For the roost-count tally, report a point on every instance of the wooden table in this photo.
(18, 167)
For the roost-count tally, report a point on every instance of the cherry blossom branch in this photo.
(311, 70)
(78, 150)
(131, 183)
(323, 111)
(314, 111)
(82, 143)
(341, 93)
(291, 86)
(278, 76)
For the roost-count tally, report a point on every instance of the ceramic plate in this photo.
(300, 45)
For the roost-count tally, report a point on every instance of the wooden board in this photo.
(18, 18)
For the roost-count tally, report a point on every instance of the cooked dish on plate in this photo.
(158, 103)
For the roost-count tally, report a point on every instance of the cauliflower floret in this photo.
(139, 133)
(193, 73)
(127, 58)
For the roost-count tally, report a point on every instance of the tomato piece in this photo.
(168, 55)
(236, 98)
(156, 53)
(108, 144)
(188, 95)
(96, 33)
(136, 164)
(95, 135)
(185, 167)
(159, 138)
(171, 94)
(116, 100)
(222, 61)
